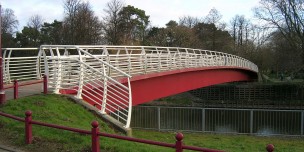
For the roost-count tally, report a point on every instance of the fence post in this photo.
(251, 122)
(158, 118)
(179, 143)
(203, 119)
(95, 137)
(15, 89)
(28, 127)
(270, 148)
(302, 122)
(45, 88)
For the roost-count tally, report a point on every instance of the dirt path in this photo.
(6, 147)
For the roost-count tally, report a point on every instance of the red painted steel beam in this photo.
(149, 87)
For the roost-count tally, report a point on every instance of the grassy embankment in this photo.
(59, 110)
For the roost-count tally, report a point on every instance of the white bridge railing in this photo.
(93, 72)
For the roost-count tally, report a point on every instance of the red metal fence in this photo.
(178, 146)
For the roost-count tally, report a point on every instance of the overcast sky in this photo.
(160, 11)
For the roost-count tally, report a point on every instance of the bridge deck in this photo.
(23, 91)
(91, 72)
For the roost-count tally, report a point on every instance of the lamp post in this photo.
(2, 91)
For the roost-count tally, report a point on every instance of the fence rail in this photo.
(178, 146)
(220, 120)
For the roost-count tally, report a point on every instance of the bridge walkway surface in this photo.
(23, 91)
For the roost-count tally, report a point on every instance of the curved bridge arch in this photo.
(146, 88)
(115, 78)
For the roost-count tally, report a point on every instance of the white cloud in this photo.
(160, 11)
(49, 10)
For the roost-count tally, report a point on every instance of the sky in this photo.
(160, 11)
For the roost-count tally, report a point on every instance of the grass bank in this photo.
(60, 110)
(229, 142)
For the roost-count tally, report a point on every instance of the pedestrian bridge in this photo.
(115, 78)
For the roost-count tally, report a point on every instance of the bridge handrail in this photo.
(124, 116)
(85, 52)
(110, 62)
(11, 72)
(229, 59)
(86, 79)
(106, 63)
(139, 47)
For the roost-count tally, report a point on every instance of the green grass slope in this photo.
(58, 110)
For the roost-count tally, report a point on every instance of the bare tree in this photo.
(241, 26)
(9, 26)
(240, 29)
(233, 24)
(260, 35)
(80, 25)
(35, 22)
(188, 21)
(111, 21)
(70, 8)
(286, 16)
(213, 17)
(88, 27)
(9, 21)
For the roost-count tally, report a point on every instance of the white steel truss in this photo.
(93, 71)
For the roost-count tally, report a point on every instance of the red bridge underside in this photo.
(148, 87)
